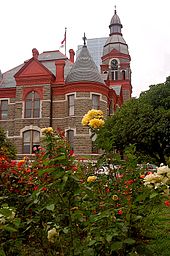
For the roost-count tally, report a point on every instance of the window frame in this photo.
(5, 110)
(32, 143)
(95, 103)
(33, 111)
(71, 104)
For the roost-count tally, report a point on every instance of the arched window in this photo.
(31, 139)
(32, 105)
(114, 69)
(123, 74)
(70, 138)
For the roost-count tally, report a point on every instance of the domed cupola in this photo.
(84, 68)
(115, 25)
(115, 39)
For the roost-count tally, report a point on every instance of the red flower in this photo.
(120, 212)
(74, 168)
(107, 190)
(167, 203)
(71, 152)
(35, 188)
(142, 176)
(44, 189)
(28, 171)
(129, 182)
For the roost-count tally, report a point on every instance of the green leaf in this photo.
(41, 172)
(92, 242)
(129, 241)
(65, 230)
(65, 178)
(2, 253)
(59, 158)
(153, 195)
(50, 207)
(9, 228)
(109, 238)
(116, 246)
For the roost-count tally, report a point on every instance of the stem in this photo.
(71, 231)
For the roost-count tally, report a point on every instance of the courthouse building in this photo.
(51, 89)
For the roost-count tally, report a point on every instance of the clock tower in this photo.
(115, 65)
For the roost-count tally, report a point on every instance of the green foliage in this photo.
(66, 210)
(144, 122)
(6, 147)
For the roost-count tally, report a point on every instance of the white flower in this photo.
(163, 170)
(153, 178)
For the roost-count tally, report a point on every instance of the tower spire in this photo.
(115, 9)
(84, 39)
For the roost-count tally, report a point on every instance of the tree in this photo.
(144, 122)
(6, 147)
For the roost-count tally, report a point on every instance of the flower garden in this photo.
(57, 205)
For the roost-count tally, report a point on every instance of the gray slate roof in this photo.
(115, 19)
(116, 42)
(84, 69)
(46, 58)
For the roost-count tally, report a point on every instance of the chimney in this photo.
(59, 71)
(35, 53)
(72, 53)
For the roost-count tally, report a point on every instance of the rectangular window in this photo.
(4, 109)
(95, 101)
(71, 105)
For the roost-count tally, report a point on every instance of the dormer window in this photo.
(32, 105)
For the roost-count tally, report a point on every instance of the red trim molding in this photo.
(8, 93)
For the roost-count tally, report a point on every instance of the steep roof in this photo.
(46, 58)
(84, 69)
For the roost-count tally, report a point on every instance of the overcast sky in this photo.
(41, 23)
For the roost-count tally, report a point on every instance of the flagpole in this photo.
(65, 40)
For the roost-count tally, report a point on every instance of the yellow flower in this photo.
(115, 197)
(91, 178)
(21, 161)
(96, 123)
(93, 114)
(48, 130)
(85, 120)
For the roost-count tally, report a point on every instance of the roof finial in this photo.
(115, 9)
(84, 39)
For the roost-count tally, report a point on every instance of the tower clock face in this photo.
(114, 64)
